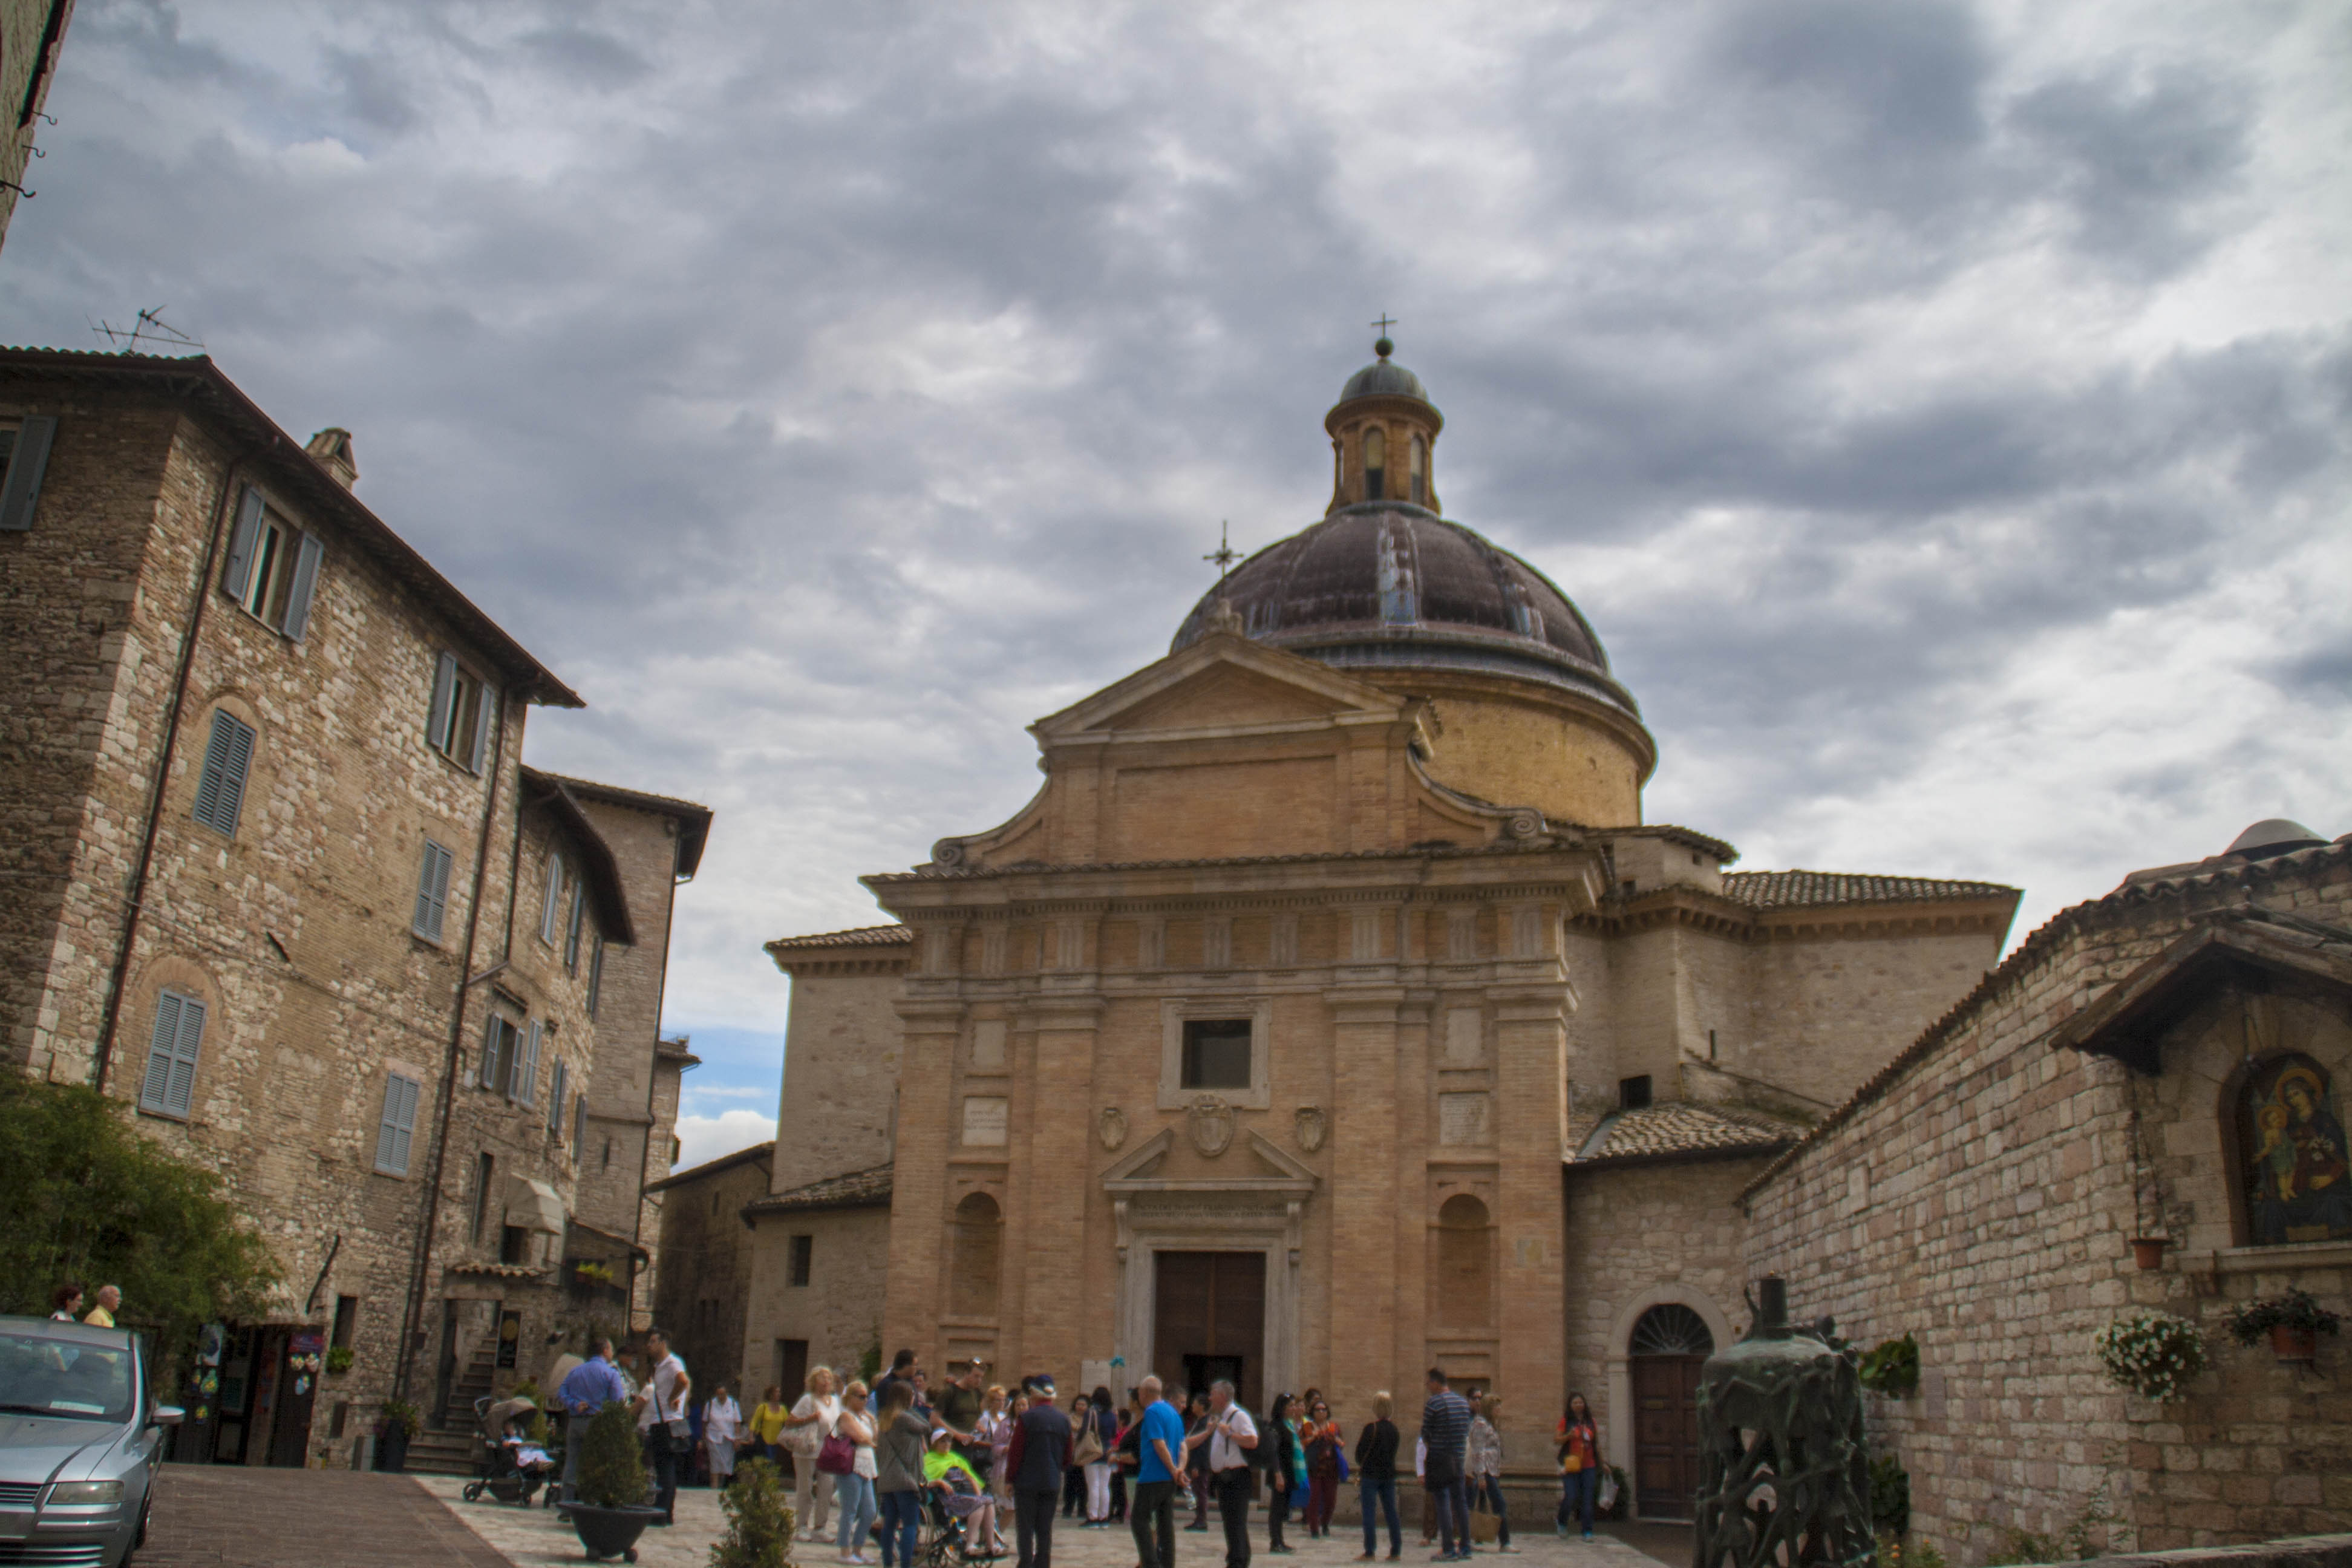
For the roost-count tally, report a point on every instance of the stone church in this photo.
(1332, 1012)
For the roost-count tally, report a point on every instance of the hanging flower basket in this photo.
(2152, 1354)
(2293, 1323)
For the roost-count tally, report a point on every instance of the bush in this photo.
(2295, 1309)
(1890, 1496)
(2153, 1354)
(339, 1360)
(612, 1466)
(399, 1415)
(759, 1522)
(1892, 1368)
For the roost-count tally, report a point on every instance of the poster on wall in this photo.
(509, 1336)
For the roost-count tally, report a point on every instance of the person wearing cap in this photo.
(950, 1474)
(1036, 1456)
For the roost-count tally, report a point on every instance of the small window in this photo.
(273, 567)
(550, 899)
(1216, 1053)
(25, 457)
(595, 974)
(579, 1124)
(347, 1323)
(486, 1169)
(501, 1045)
(572, 923)
(803, 1258)
(714, 1203)
(608, 1154)
(431, 891)
(555, 1089)
(169, 1087)
(458, 725)
(1420, 471)
(1633, 1093)
(396, 1128)
(1376, 463)
(220, 788)
(514, 1244)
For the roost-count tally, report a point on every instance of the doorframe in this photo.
(1617, 1437)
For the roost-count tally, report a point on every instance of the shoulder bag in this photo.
(838, 1457)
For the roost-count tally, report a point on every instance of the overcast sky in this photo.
(1941, 411)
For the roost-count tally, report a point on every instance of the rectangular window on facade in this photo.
(803, 1258)
(1633, 1093)
(514, 1244)
(431, 891)
(555, 1089)
(458, 724)
(273, 566)
(396, 1128)
(550, 899)
(25, 457)
(220, 787)
(169, 1087)
(526, 1075)
(1216, 1053)
(579, 1125)
(347, 1323)
(501, 1042)
(595, 974)
(573, 923)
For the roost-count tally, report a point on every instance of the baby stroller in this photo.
(511, 1471)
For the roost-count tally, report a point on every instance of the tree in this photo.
(612, 1466)
(90, 1200)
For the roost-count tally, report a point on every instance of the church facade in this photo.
(1332, 1012)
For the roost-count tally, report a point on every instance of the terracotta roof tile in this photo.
(1813, 889)
(856, 936)
(1663, 1132)
(858, 1190)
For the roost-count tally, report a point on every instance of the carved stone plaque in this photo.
(1314, 1127)
(1464, 1119)
(1212, 1125)
(984, 1121)
(988, 1046)
(1111, 1127)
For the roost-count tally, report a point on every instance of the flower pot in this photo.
(2147, 1251)
(392, 1450)
(2289, 1344)
(609, 1531)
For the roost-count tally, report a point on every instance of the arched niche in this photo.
(1461, 1284)
(975, 1256)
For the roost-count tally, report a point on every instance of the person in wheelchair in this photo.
(955, 1485)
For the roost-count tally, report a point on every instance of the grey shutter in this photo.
(579, 1125)
(396, 1133)
(482, 719)
(596, 973)
(551, 898)
(158, 1081)
(305, 582)
(491, 1051)
(171, 1080)
(527, 1077)
(240, 571)
(555, 1087)
(571, 924)
(220, 788)
(432, 891)
(444, 681)
(26, 463)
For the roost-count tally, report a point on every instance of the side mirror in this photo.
(168, 1415)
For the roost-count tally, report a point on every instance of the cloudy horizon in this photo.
(1941, 411)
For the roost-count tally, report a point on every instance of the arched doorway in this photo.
(1670, 1342)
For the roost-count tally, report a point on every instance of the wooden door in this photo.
(1208, 1321)
(1665, 1435)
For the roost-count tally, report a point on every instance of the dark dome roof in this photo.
(2273, 836)
(1386, 584)
(1383, 377)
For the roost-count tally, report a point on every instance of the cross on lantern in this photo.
(1384, 323)
(1225, 554)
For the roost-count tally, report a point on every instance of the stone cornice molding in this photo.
(1697, 908)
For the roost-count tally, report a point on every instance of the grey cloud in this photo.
(571, 52)
(2139, 164)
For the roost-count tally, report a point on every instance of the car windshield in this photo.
(39, 1375)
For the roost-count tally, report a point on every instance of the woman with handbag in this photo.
(854, 1487)
(1090, 1454)
(1580, 1463)
(812, 1421)
(1318, 1435)
(1484, 1468)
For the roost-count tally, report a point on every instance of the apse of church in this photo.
(1272, 1037)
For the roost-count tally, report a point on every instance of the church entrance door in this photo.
(1670, 1345)
(1208, 1321)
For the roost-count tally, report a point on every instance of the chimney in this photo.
(332, 448)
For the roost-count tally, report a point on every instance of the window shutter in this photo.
(482, 721)
(240, 571)
(432, 891)
(491, 1051)
(26, 464)
(170, 1081)
(397, 1131)
(157, 1083)
(555, 1088)
(579, 1124)
(571, 924)
(595, 974)
(220, 788)
(551, 898)
(526, 1079)
(444, 681)
(306, 581)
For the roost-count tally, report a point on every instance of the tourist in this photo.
(1159, 1463)
(65, 1301)
(1319, 1438)
(722, 1429)
(587, 1389)
(1483, 1468)
(993, 1434)
(1074, 1478)
(1196, 1459)
(110, 1298)
(902, 1366)
(899, 1474)
(1284, 1469)
(951, 1475)
(662, 1423)
(854, 1490)
(1579, 1464)
(922, 1406)
(960, 1406)
(1001, 1470)
(1376, 1454)
(1126, 1450)
(1094, 1455)
(813, 1420)
(1445, 1429)
(1038, 1454)
(1228, 1439)
(766, 1425)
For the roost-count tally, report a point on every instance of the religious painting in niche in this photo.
(2298, 1177)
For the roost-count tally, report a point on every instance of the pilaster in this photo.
(1365, 1183)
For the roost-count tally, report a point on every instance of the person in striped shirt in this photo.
(1445, 1431)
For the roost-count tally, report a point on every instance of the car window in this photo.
(56, 1377)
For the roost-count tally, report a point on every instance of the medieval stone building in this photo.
(1332, 1012)
(276, 878)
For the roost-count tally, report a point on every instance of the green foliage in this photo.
(401, 1416)
(612, 1466)
(1893, 1552)
(759, 1520)
(1890, 1496)
(89, 1199)
(2083, 1539)
(2295, 1309)
(2153, 1354)
(870, 1366)
(1892, 1368)
(339, 1360)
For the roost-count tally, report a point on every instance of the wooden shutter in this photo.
(571, 924)
(445, 683)
(432, 891)
(579, 1126)
(491, 1051)
(170, 1081)
(551, 898)
(526, 1076)
(239, 573)
(397, 1131)
(306, 582)
(480, 746)
(26, 463)
(596, 973)
(220, 788)
(555, 1088)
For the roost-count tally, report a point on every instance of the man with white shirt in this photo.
(1230, 1434)
(661, 1419)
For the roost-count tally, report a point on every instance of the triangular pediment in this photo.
(1223, 682)
(1255, 1164)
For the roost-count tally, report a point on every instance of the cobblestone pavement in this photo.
(527, 1537)
(221, 1516)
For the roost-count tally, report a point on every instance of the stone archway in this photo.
(1617, 1428)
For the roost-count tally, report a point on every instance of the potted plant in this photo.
(611, 1512)
(394, 1428)
(2153, 1354)
(2147, 1251)
(1892, 1368)
(2294, 1322)
(759, 1520)
(339, 1360)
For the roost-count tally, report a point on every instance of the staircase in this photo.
(452, 1450)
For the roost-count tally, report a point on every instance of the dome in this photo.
(1383, 378)
(1389, 585)
(2273, 836)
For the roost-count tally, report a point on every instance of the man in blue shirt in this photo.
(587, 1389)
(1153, 1514)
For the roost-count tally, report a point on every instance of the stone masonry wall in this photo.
(838, 1313)
(702, 1296)
(840, 1078)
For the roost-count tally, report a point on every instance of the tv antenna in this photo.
(152, 327)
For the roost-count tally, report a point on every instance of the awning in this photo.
(533, 1205)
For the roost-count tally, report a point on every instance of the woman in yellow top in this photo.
(766, 1424)
(950, 1474)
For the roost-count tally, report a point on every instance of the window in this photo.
(608, 1153)
(273, 566)
(459, 723)
(525, 1086)
(501, 1046)
(25, 454)
(595, 974)
(1420, 471)
(550, 899)
(347, 1323)
(514, 1244)
(485, 1169)
(803, 1258)
(1376, 463)
(555, 1101)
(1633, 1093)
(579, 1123)
(170, 1085)
(431, 891)
(220, 787)
(396, 1129)
(1216, 1053)
(572, 923)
